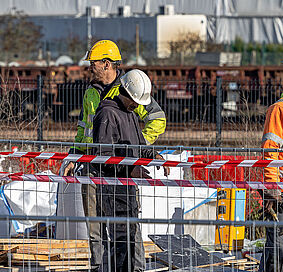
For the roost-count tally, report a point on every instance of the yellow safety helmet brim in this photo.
(104, 49)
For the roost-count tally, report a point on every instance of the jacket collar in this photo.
(105, 88)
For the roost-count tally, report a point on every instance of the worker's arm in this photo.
(272, 138)
(154, 118)
(271, 174)
(80, 128)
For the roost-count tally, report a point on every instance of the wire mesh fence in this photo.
(212, 112)
(208, 214)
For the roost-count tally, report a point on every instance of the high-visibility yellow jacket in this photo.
(273, 138)
(152, 115)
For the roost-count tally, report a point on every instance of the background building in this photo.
(155, 23)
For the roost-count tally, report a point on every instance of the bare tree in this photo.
(19, 37)
(186, 43)
(76, 47)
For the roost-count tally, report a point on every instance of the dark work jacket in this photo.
(113, 124)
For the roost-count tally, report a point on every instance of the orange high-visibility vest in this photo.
(273, 138)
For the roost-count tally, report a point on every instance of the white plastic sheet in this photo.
(29, 198)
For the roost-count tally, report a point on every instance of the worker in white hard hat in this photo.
(115, 123)
(105, 58)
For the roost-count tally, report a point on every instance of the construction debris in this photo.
(163, 253)
(44, 254)
(184, 253)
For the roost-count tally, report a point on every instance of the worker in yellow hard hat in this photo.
(105, 58)
(104, 49)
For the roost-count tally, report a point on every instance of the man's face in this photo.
(129, 104)
(97, 68)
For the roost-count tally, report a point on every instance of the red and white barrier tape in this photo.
(144, 182)
(142, 161)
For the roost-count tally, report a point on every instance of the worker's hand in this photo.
(166, 168)
(140, 172)
(69, 169)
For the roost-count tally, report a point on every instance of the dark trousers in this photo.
(272, 257)
(110, 247)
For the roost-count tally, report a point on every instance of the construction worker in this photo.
(272, 259)
(115, 123)
(105, 58)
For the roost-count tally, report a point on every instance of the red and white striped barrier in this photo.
(253, 185)
(142, 161)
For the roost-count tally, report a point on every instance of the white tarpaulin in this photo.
(163, 202)
(207, 7)
(258, 29)
(29, 198)
(200, 204)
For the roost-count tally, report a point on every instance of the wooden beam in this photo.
(51, 246)
(38, 241)
(35, 257)
(34, 250)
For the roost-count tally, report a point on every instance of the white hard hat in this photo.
(138, 86)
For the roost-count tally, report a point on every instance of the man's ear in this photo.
(107, 65)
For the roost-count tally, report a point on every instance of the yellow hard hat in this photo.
(104, 49)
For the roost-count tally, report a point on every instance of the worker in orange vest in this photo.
(272, 258)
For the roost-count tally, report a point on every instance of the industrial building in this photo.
(220, 21)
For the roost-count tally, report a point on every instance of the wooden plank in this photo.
(252, 258)
(158, 269)
(9, 250)
(51, 246)
(34, 257)
(84, 267)
(235, 262)
(209, 265)
(4, 254)
(50, 263)
(21, 269)
(39, 241)
(47, 268)
(75, 256)
(150, 247)
(34, 250)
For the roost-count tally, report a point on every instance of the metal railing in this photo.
(199, 112)
(184, 218)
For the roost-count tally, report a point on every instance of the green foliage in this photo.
(238, 45)
(258, 53)
(19, 38)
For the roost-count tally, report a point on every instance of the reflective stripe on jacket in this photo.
(152, 115)
(273, 138)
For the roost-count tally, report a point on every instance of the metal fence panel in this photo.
(197, 111)
(210, 205)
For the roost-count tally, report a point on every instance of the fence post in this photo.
(39, 109)
(218, 111)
